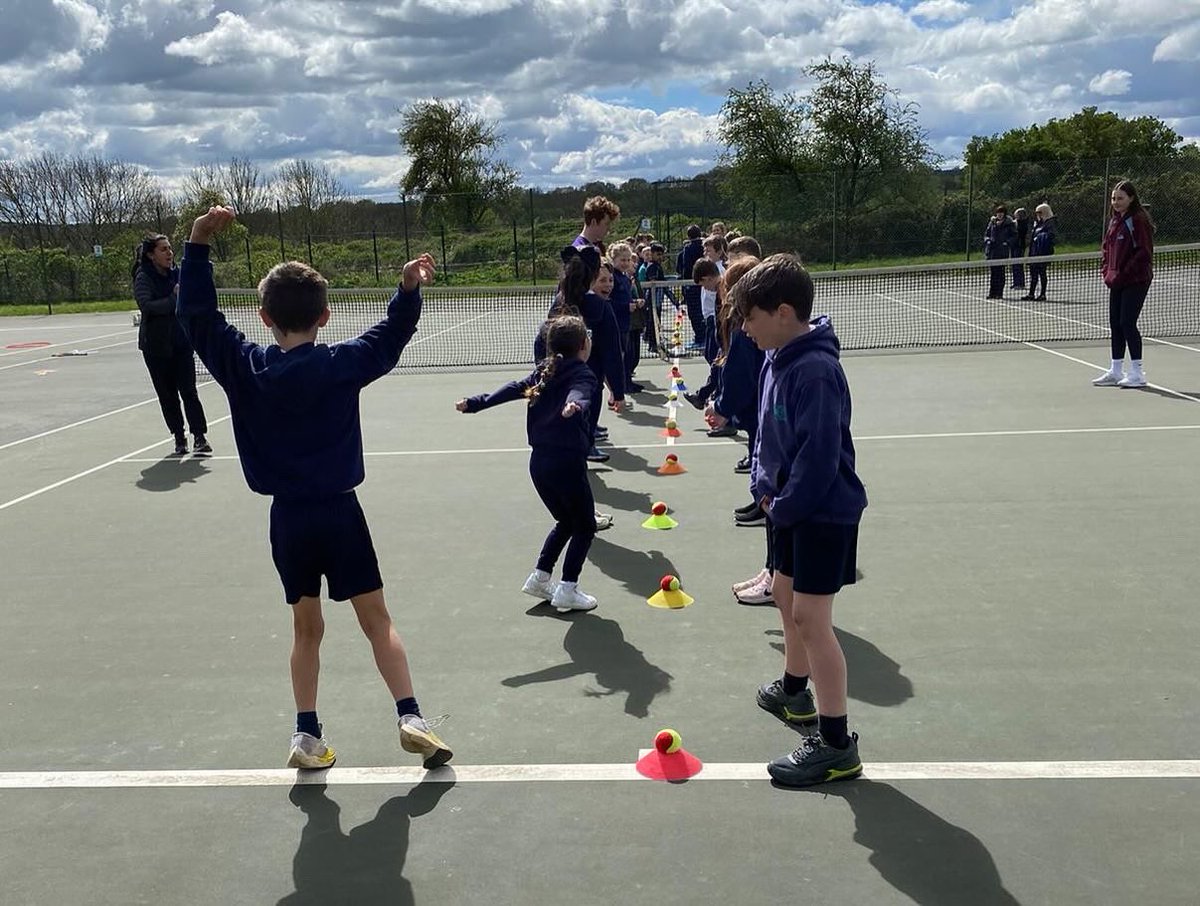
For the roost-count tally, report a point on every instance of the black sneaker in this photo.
(746, 510)
(200, 444)
(755, 517)
(725, 430)
(181, 447)
(595, 455)
(743, 466)
(794, 710)
(695, 399)
(816, 761)
(633, 387)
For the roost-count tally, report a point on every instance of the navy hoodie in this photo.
(620, 300)
(804, 455)
(738, 396)
(606, 361)
(295, 413)
(545, 426)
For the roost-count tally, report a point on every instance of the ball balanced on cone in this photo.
(668, 742)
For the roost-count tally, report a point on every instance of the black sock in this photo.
(407, 706)
(306, 722)
(794, 685)
(833, 730)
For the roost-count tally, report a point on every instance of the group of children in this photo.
(294, 408)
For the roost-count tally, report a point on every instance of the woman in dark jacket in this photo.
(165, 349)
(998, 241)
(1041, 244)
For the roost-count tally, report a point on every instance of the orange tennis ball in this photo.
(668, 742)
(659, 508)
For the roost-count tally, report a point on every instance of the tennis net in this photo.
(914, 306)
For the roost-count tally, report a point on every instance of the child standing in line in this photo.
(803, 474)
(560, 392)
(625, 306)
(295, 416)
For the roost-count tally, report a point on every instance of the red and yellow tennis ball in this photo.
(669, 583)
(675, 372)
(671, 457)
(668, 742)
(659, 508)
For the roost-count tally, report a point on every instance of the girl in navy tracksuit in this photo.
(575, 297)
(561, 392)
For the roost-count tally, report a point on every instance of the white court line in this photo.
(542, 773)
(57, 326)
(420, 340)
(1037, 346)
(936, 435)
(103, 336)
(51, 358)
(93, 469)
(1066, 320)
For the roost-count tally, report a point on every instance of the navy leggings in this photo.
(1124, 305)
(560, 477)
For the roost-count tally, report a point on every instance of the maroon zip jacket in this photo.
(1128, 251)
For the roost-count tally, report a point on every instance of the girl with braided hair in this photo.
(561, 390)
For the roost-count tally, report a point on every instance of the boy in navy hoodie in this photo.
(294, 408)
(803, 475)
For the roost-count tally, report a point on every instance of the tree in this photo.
(764, 137)
(225, 243)
(453, 163)
(309, 188)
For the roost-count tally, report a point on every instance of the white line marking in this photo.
(104, 336)
(59, 326)
(541, 773)
(1037, 346)
(52, 357)
(92, 470)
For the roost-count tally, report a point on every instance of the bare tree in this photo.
(246, 187)
(308, 187)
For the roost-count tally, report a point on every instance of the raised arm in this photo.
(505, 393)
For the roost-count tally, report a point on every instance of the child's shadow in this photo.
(596, 645)
(171, 474)
(919, 853)
(620, 460)
(365, 866)
(616, 497)
(872, 676)
(639, 571)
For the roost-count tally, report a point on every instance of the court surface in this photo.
(1021, 650)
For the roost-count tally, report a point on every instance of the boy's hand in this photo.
(208, 225)
(421, 270)
(570, 409)
(461, 405)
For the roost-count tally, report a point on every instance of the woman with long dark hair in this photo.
(165, 348)
(1128, 268)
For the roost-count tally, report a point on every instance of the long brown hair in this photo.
(1135, 203)
(727, 317)
(566, 336)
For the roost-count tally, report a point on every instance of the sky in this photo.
(582, 90)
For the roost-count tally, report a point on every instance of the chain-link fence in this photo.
(830, 219)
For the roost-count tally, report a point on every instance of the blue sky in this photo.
(582, 89)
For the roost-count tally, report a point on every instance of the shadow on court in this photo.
(596, 645)
(1191, 395)
(172, 474)
(919, 853)
(617, 498)
(872, 676)
(365, 866)
(639, 571)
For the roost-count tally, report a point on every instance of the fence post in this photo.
(158, 215)
(835, 200)
(704, 206)
(1104, 201)
(516, 254)
(445, 261)
(249, 262)
(7, 280)
(308, 239)
(45, 275)
(279, 220)
(532, 240)
(754, 218)
(375, 252)
(657, 225)
(404, 214)
(970, 205)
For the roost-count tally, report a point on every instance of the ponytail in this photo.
(566, 336)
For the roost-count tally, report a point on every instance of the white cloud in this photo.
(945, 10)
(1111, 82)
(232, 39)
(1181, 46)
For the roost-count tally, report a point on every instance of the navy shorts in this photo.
(819, 557)
(326, 537)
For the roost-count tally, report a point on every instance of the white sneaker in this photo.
(310, 753)
(1109, 379)
(603, 521)
(569, 597)
(542, 589)
(756, 594)
(1133, 379)
(750, 583)
(417, 736)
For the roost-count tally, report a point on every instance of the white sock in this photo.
(1118, 366)
(1135, 366)
(569, 586)
(542, 575)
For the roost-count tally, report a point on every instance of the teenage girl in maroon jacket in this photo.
(1127, 265)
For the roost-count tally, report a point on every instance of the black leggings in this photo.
(1124, 305)
(561, 480)
(174, 377)
(1037, 272)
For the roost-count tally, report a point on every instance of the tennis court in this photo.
(1021, 647)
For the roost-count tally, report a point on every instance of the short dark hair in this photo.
(694, 231)
(1000, 209)
(704, 268)
(744, 245)
(294, 295)
(658, 248)
(780, 280)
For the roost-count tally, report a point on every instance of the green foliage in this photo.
(225, 245)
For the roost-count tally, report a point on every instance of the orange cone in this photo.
(671, 466)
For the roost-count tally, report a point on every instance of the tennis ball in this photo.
(675, 372)
(668, 742)
(671, 457)
(669, 583)
(659, 508)
(671, 426)
(672, 395)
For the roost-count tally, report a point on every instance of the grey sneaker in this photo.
(418, 738)
(794, 710)
(310, 753)
(816, 761)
